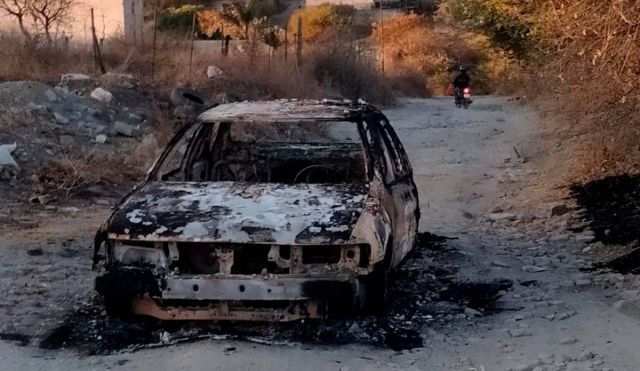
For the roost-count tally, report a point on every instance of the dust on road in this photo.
(552, 317)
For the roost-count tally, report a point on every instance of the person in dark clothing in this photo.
(462, 80)
(460, 83)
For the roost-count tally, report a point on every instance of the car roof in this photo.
(287, 110)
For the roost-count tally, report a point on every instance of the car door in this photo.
(400, 184)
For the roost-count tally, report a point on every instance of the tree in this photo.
(248, 14)
(49, 13)
(20, 10)
(318, 21)
(42, 15)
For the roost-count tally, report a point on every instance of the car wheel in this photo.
(117, 306)
(374, 301)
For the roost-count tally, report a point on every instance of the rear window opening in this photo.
(289, 153)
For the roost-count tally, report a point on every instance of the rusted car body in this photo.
(229, 225)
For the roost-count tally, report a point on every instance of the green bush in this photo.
(510, 24)
(179, 20)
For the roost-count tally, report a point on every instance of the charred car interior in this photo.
(266, 211)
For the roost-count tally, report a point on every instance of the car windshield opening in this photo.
(327, 152)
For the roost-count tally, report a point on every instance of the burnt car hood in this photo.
(239, 212)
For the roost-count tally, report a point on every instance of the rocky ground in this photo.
(511, 288)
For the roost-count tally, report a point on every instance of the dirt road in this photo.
(553, 318)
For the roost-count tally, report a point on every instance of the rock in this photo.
(586, 249)
(36, 251)
(583, 282)
(128, 84)
(67, 141)
(558, 209)
(165, 337)
(213, 71)
(526, 217)
(470, 312)
(522, 316)
(134, 118)
(183, 112)
(40, 200)
(585, 238)
(524, 367)
(501, 216)
(149, 141)
(228, 349)
(598, 362)
(344, 369)
(124, 129)
(101, 138)
(103, 202)
(5, 155)
(533, 269)
(562, 358)
(60, 118)
(499, 264)
(630, 294)
(518, 333)
(559, 238)
(224, 98)
(538, 368)
(496, 210)
(51, 95)
(585, 356)
(550, 317)
(101, 95)
(563, 316)
(72, 210)
(568, 341)
(74, 77)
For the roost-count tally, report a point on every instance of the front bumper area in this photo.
(229, 297)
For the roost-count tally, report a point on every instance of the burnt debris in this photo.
(419, 299)
(612, 207)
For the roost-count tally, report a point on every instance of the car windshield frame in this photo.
(196, 127)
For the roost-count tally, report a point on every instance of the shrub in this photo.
(511, 24)
(179, 20)
(322, 21)
(355, 76)
(412, 44)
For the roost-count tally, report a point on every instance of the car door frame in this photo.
(402, 188)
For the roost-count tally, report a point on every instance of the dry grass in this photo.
(590, 87)
(417, 47)
(77, 169)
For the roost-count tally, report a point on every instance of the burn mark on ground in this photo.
(419, 300)
(612, 207)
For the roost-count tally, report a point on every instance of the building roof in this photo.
(287, 110)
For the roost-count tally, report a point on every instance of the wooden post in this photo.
(381, 38)
(286, 43)
(299, 42)
(96, 48)
(193, 31)
(155, 27)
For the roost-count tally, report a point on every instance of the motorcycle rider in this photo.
(460, 82)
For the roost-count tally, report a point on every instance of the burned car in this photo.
(265, 211)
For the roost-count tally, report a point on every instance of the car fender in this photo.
(374, 228)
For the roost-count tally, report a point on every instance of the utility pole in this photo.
(299, 42)
(381, 38)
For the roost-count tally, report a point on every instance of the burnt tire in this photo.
(117, 307)
(187, 97)
(375, 292)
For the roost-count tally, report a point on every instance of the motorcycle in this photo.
(463, 99)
